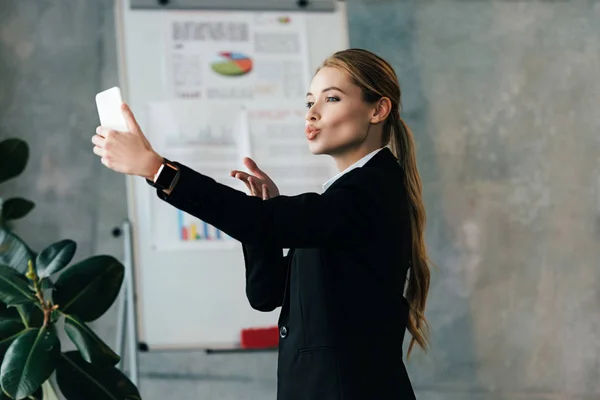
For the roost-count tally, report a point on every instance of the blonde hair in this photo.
(377, 79)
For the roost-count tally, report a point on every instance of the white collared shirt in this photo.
(360, 163)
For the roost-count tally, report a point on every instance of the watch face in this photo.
(166, 176)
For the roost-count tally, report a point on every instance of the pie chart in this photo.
(232, 64)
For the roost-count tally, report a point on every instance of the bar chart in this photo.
(194, 229)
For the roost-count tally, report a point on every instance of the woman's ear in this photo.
(382, 109)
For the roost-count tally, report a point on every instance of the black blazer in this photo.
(343, 315)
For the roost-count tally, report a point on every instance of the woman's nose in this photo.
(312, 114)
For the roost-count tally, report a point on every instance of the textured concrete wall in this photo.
(502, 97)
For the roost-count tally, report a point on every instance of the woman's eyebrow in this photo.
(328, 89)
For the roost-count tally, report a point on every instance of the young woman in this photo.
(357, 275)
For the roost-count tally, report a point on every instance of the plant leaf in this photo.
(54, 316)
(46, 284)
(29, 361)
(32, 314)
(7, 313)
(16, 208)
(9, 331)
(14, 154)
(55, 257)
(14, 252)
(9, 328)
(37, 395)
(14, 288)
(78, 379)
(88, 288)
(91, 347)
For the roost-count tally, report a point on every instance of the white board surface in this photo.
(189, 299)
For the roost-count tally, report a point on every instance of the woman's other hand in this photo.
(258, 183)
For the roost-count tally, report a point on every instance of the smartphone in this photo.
(109, 104)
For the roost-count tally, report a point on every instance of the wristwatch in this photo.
(166, 177)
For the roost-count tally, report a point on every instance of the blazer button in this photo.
(283, 332)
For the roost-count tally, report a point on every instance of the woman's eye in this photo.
(309, 104)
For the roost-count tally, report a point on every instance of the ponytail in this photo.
(403, 147)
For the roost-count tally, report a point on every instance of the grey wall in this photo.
(502, 97)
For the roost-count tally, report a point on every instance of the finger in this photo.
(106, 162)
(247, 184)
(98, 140)
(103, 131)
(252, 188)
(257, 189)
(255, 170)
(265, 193)
(130, 119)
(242, 176)
(252, 167)
(99, 151)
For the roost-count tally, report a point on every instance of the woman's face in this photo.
(338, 119)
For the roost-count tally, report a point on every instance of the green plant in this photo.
(32, 302)
(29, 344)
(14, 154)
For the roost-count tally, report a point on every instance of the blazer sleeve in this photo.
(266, 274)
(340, 216)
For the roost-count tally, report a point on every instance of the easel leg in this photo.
(121, 325)
(127, 317)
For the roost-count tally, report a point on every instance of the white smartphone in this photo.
(109, 104)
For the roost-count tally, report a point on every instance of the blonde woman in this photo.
(357, 274)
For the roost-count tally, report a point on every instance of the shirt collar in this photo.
(360, 163)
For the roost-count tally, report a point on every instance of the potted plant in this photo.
(30, 345)
(39, 291)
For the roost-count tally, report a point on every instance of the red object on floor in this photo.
(259, 338)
